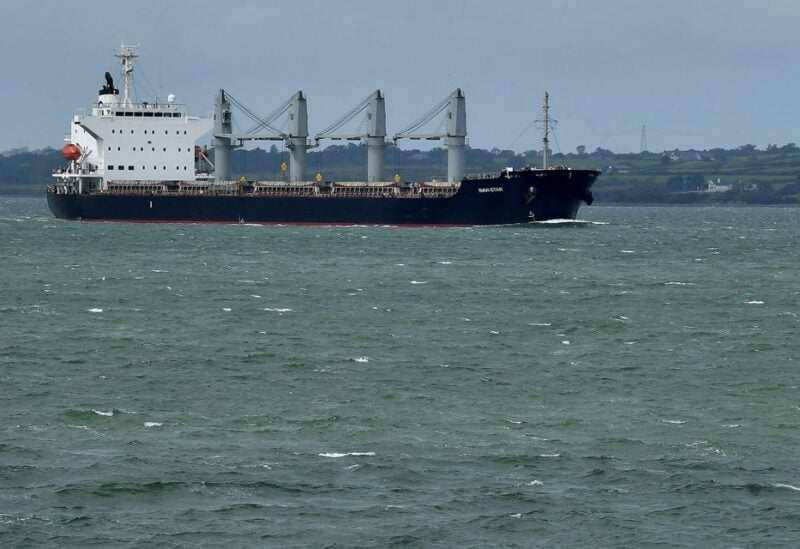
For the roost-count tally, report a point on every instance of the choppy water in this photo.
(627, 382)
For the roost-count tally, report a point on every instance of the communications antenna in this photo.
(643, 143)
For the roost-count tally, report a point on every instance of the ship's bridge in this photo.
(140, 110)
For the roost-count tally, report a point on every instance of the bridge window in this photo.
(130, 167)
(110, 167)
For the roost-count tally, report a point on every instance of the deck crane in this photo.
(374, 135)
(295, 138)
(455, 136)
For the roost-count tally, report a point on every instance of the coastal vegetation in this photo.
(744, 175)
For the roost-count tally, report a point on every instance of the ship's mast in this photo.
(546, 124)
(126, 56)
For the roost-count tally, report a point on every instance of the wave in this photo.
(341, 455)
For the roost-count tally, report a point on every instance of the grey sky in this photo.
(702, 73)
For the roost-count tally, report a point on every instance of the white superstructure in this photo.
(122, 141)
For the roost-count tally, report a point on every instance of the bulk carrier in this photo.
(141, 162)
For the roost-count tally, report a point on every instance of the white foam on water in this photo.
(466, 320)
(678, 284)
(255, 296)
(361, 359)
(226, 309)
(566, 342)
(419, 281)
(95, 310)
(400, 264)
(549, 455)
(567, 249)
(540, 324)
(673, 421)
(787, 486)
(354, 466)
(102, 413)
(569, 222)
(628, 251)
(277, 310)
(345, 454)
(445, 262)
(515, 422)
(158, 271)
(516, 515)
(754, 302)
(536, 483)
(732, 425)
(494, 332)
(153, 424)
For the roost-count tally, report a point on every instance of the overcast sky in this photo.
(699, 73)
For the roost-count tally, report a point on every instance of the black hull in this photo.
(519, 197)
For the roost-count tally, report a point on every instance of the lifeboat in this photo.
(71, 151)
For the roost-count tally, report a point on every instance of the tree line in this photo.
(744, 174)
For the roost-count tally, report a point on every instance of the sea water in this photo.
(628, 380)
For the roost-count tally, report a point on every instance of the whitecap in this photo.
(255, 296)
(494, 332)
(566, 342)
(226, 309)
(345, 454)
(536, 483)
(153, 424)
(102, 413)
(549, 455)
(754, 302)
(628, 251)
(540, 324)
(515, 422)
(515, 515)
(95, 310)
(567, 250)
(678, 284)
(277, 310)
(361, 359)
(158, 271)
(673, 421)
(445, 262)
(419, 281)
(787, 486)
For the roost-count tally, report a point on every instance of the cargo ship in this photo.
(141, 162)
